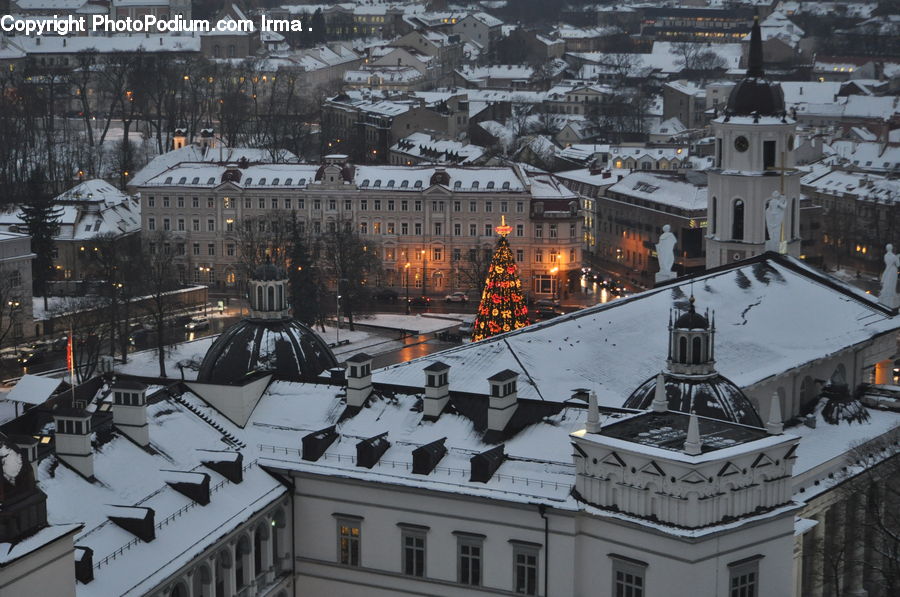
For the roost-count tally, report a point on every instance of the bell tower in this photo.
(268, 293)
(754, 190)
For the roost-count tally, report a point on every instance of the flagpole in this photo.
(70, 363)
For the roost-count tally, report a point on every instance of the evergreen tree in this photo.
(303, 279)
(41, 220)
(502, 307)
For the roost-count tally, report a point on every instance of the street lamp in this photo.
(424, 273)
(406, 267)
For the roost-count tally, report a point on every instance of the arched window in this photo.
(737, 220)
(200, 581)
(695, 350)
(280, 297)
(223, 564)
(418, 184)
(682, 350)
(248, 181)
(179, 590)
(490, 185)
(457, 184)
(475, 184)
(714, 216)
(258, 550)
(262, 181)
(271, 297)
(241, 576)
(506, 185)
(259, 298)
(276, 181)
(404, 184)
(390, 183)
(278, 525)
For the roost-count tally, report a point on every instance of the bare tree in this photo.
(472, 272)
(85, 321)
(350, 263)
(160, 302)
(11, 308)
(697, 57)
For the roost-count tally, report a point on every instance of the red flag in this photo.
(70, 362)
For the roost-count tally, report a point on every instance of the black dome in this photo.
(692, 321)
(285, 347)
(754, 94)
(269, 271)
(714, 396)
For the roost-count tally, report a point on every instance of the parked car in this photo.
(552, 303)
(457, 297)
(196, 324)
(385, 295)
(31, 356)
(466, 328)
(419, 301)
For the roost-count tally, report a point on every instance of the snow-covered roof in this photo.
(862, 186)
(764, 327)
(33, 389)
(666, 189)
(195, 153)
(425, 147)
(518, 72)
(73, 44)
(868, 155)
(778, 26)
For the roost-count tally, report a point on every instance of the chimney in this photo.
(136, 520)
(315, 444)
(693, 445)
(426, 457)
(774, 426)
(359, 379)
(369, 451)
(73, 439)
(437, 390)
(485, 464)
(194, 486)
(84, 564)
(28, 447)
(593, 422)
(130, 411)
(660, 402)
(503, 400)
(227, 463)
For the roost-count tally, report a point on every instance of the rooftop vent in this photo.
(191, 485)
(136, 520)
(84, 564)
(369, 451)
(485, 464)
(227, 463)
(316, 443)
(426, 457)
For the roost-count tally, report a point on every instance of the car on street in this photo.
(197, 324)
(457, 297)
(419, 301)
(466, 328)
(385, 295)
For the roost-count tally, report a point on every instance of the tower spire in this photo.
(755, 56)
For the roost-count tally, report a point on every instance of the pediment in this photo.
(693, 477)
(613, 459)
(651, 468)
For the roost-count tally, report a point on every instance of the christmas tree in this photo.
(502, 305)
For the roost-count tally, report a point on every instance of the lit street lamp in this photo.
(406, 267)
(424, 274)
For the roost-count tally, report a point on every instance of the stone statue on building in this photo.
(775, 209)
(665, 254)
(888, 295)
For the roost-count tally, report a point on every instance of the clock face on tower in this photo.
(741, 143)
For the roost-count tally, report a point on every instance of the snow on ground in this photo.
(145, 362)
(421, 323)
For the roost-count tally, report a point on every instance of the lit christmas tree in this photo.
(502, 307)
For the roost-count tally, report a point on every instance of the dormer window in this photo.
(475, 184)
(168, 180)
(212, 180)
(196, 180)
(302, 182)
(123, 398)
(457, 184)
(404, 184)
(418, 184)
(288, 182)
(248, 180)
(506, 185)
(182, 180)
(275, 181)
(377, 183)
(365, 183)
(262, 181)
(490, 185)
(73, 426)
(390, 183)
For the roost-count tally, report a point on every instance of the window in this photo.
(525, 568)
(262, 203)
(195, 225)
(488, 229)
(229, 250)
(768, 154)
(377, 205)
(211, 203)
(390, 228)
(165, 202)
(404, 205)
(538, 256)
(553, 231)
(469, 558)
(473, 206)
(390, 203)
(438, 228)
(628, 577)
(151, 223)
(737, 220)
(437, 254)
(167, 224)
(744, 577)
(713, 215)
(520, 255)
(413, 545)
(348, 540)
(473, 230)
(196, 249)
(151, 201)
(181, 224)
(210, 225)
(457, 206)
(417, 228)
(404, 228)
(520, 230)
(538, 231)
(488, 207)
(457, 229)
(287, 203)
(348, 205)
(418, 205)
(248, 203)
(180, 202)
(274, 203)
(195, 201)
(520, 206)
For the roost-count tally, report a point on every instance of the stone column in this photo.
(839, 552)
(884, 372)
(856, 548)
